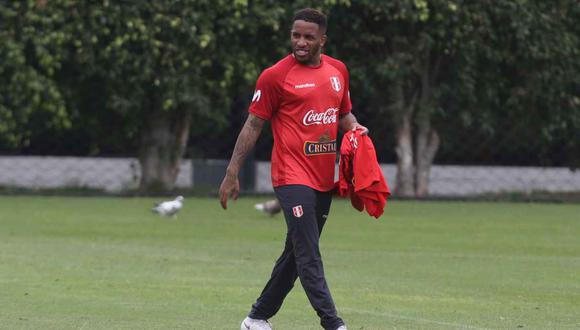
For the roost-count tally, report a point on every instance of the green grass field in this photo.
(107, 263)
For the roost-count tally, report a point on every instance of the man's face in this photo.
(307, 40)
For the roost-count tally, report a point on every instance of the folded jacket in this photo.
(360, 175)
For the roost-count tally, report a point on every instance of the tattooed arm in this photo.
(230, 187)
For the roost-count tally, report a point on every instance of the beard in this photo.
(306, 56)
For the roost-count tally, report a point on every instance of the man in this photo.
(306, 97)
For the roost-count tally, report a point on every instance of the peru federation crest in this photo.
(335, 82)
(297, 210)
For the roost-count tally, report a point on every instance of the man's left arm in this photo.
(348, 122)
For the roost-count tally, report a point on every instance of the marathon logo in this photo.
(319, 148)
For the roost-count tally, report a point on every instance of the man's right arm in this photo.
(230, 186)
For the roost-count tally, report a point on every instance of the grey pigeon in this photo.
(271, 207)
(169, 208)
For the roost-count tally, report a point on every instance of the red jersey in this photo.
(304, 104)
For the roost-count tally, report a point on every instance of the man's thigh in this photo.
(299, 205)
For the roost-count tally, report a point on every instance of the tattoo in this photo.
(246, 141)
(254, 122)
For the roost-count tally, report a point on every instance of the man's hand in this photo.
(348, 122)
(363, 129)
(230, 187)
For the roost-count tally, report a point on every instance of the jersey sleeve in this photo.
(266, 96)
(345, 105)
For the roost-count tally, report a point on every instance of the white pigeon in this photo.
(169, 208)
(271, 207)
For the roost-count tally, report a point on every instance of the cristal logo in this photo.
(320, 118)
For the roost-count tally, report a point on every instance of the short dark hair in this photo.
(311, 15)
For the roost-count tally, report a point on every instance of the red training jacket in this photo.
(360, 175)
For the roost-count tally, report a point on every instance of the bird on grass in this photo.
(271, 207)
(169, 208)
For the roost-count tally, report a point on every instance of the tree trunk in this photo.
(427, 137)
(405, 179)
(163, 143)
(403, 115)
(427, 146)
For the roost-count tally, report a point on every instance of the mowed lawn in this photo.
(108, 263)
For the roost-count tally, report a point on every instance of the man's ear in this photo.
(323, 40)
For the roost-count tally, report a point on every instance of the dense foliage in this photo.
(445, 81)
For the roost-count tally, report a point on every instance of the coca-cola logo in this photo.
(320, 118)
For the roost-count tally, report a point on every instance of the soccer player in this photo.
(306, 97)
